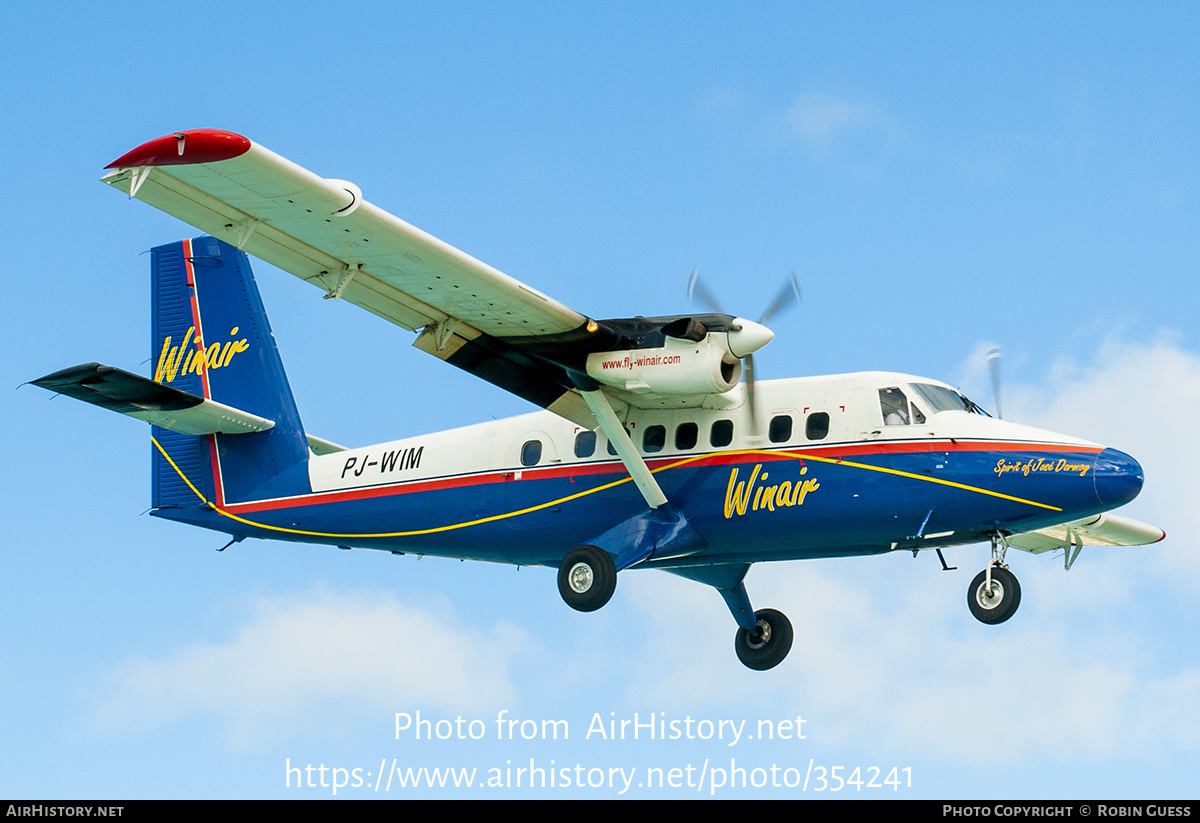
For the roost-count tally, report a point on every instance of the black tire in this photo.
(771, 645)
(587, 578)
(998, 605)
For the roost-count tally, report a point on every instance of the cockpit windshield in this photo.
(939, 399)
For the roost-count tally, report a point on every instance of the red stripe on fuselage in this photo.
(831, 453)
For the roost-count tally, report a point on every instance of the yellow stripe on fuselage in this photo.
(674, 465)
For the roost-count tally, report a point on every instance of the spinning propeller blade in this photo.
(993, 357)
(788, 295)
(696, 291)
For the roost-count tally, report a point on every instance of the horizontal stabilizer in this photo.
(319, 445)
(142, 398)
(1100, 530)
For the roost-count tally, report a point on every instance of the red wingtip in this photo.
(184, 148)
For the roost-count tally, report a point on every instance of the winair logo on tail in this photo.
(177, 360)
(782, 495)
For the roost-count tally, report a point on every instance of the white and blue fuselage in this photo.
(824, 475)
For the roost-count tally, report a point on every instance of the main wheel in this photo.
(587, 578)
(1000, 603)
(771, 641)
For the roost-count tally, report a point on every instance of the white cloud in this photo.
(887, 658)
(818, 117)
(363, 650)
(1142, 398)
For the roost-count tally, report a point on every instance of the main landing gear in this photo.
(767, 644)
(994, 594)
(587, 578)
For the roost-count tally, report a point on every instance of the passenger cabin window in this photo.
(585, 444)
(817, 426)
(685, 436)
(654, 438)
(531, 452)
(780, 430)
(896, 409)
(721, 434)
(613, 449)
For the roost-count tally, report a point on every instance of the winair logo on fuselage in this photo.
(182, 360)
(782, 495)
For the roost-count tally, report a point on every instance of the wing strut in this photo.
(616, 434)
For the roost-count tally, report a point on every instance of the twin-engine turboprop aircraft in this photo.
(651, 452)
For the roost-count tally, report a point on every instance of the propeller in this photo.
(788, 295)
(993, 358)
(697, 291)
(747, 335)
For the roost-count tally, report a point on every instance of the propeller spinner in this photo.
(747, 336)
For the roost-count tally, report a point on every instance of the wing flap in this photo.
(503, 366)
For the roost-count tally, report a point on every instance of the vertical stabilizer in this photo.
(210, 337)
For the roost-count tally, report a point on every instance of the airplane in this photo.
(649, 451)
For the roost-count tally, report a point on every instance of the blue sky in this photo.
(940, 177)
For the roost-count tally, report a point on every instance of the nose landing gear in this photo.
(994, 594)
(994, 601)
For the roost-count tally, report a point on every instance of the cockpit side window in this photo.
(896, 409)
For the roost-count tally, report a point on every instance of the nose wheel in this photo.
(996, 599)
(994, 594)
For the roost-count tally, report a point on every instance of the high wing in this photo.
(325, 233)
(1104, 529)
(468, 313)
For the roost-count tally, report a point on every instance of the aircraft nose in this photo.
(1118, 477)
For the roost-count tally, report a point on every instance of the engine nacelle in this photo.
(678, 367)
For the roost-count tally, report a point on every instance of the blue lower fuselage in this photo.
(749, 505)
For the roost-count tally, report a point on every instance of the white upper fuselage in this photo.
(843, 408)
